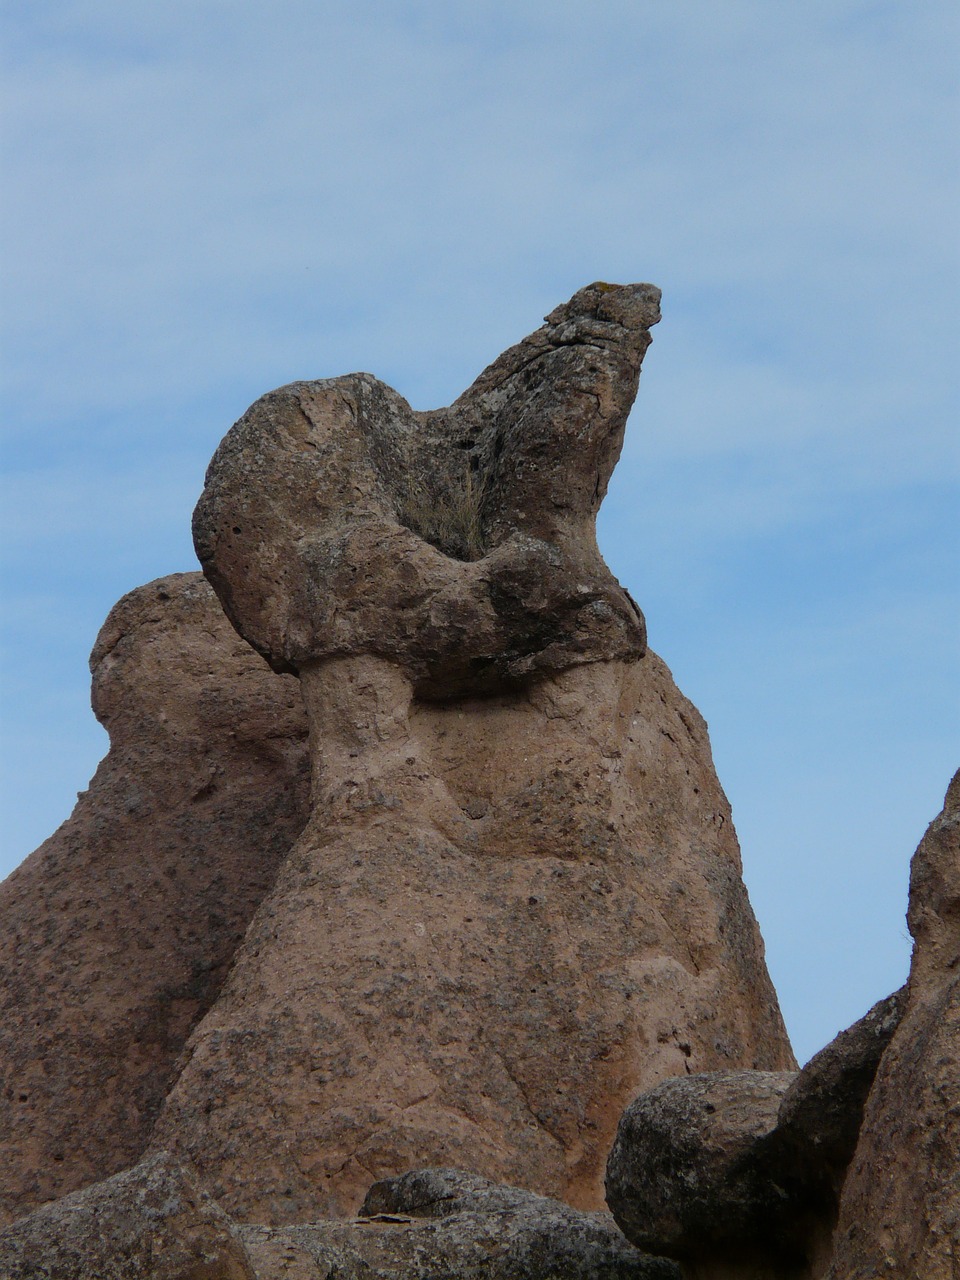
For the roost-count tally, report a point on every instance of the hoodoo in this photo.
(518, 897)
(354, 964)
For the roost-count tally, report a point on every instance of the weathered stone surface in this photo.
(683, 1178)
(147, 1223)
(739, 1173)
(115, 935)
(822, 1111)
(438, 1223)
(510, 915)
(459, 544)
(900, 1210)
(436, 1193)
(509, 912)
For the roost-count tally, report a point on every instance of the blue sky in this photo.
(206, 200)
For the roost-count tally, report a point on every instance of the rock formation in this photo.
(457, 545)
(849, 1169)
(510, 902)
(684, 1169)
(147, 1223)
(738, 1173)
(152, 1222)
(518, 897)
(117, 932)
(900, 1212)
(435, 1224)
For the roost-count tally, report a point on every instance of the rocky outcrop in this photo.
(458, 545)
(117, 933)
(685, 1178)
(438, 1223)
(510, 903)
(900, 1212)
(818, 1124)
(738, 1174)
(152, 1222)
(518, 899)
(515, 902)
(147, 1223)
(855, 1172)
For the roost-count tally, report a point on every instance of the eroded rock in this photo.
(147, 1223)
(439, 1223)
(900, 1211)
(515, 904)
(457, 544)
(684, 1178)
(739, 1174)
(118, 931)
(819, 1122)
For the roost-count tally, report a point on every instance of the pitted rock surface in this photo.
(683, 1176)
(900, 1210)
(150, 1222)
(438, 1223)
(116, 934)
(739, 1173)
(510, 910)
(458, 544)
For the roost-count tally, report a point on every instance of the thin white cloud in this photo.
(204, 201)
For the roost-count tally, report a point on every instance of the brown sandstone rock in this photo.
(147, 1223)
(900, 1212)
(508, 912)
(458, 544)
(117, 932)
(439, 1223)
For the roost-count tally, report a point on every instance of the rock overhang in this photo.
(460, 542)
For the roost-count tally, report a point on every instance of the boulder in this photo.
(684, 1178)
(147, 1223)
(819, 1121)
(900, 1210)
(438, 1223)
(457, 544)
(116, 934)
(518, 899)
(739, 1173)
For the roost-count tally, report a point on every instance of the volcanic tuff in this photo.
(848, 1169)
(494, 898)
(518, 897)
(900, 1210)
(739, 1173)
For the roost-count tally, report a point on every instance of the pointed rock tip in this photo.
(635, 306)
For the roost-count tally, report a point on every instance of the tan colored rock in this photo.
(457, 544)
(900, 1210)
(508, 912)
(147, 1223)
(738, 1173)
(116, 934)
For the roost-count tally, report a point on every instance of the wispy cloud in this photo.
(203, 202)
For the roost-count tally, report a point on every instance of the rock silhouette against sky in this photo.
(403, 927)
